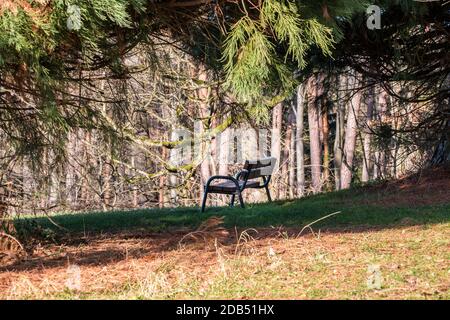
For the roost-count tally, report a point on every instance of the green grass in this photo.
(354, 205)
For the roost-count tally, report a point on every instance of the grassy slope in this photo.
(357, 209)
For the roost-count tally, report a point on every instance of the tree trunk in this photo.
(338, 145)
(223, 155)
(291, 162)
(106, 177)
(299, 140)
(367, 163)
(350, 137)
(314, 136)
(85, 169)
(277, 115)
(326, 148)
(203, 96)
(339, 135)
(224, 151)
(162, 182)
(134, 193)
(287, 158)
(380, 153)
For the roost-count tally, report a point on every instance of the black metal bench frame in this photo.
(261, 168)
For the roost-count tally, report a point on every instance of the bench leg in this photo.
(268, 194)
(241, 200)
(205, 195)
(232, 200)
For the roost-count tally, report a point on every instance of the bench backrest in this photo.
(260, 167)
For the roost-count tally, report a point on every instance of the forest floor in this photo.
(384, 241)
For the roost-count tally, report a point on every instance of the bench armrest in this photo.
(211, 179)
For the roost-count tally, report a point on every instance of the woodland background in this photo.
(369, 105)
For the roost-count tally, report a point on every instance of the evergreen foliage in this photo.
(45, 46)
(252, 63)
(261, 45)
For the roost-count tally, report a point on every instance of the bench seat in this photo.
(230, 186)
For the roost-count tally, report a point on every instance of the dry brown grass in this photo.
(267, 263)
(210, 229)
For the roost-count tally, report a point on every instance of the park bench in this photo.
(256, 174)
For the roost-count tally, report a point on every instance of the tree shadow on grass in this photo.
(102, 249)
(96, 251)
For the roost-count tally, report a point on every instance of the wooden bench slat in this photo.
(230, 186)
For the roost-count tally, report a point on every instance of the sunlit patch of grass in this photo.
(316, 272)
(354, 212)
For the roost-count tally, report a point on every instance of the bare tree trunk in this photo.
(394, 147)
(339, 136)
(338, 145)
(224, 151)
(380, 153)
(368, 136)
(203, 96)
(135, 197)
(291, 162)
(350, 137)
(249, 140)
(69, 171)
(172, 177)
(314, 135)
(106, 187)
(324, 127)
(53, 183)
(286, 164)
(223, 155)
(326, 148)
(299, 140)
(162, 182)
(204, 166)
(87, 163)
(213, 151)
(277, 117)
(173, 191)
(176, 157)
